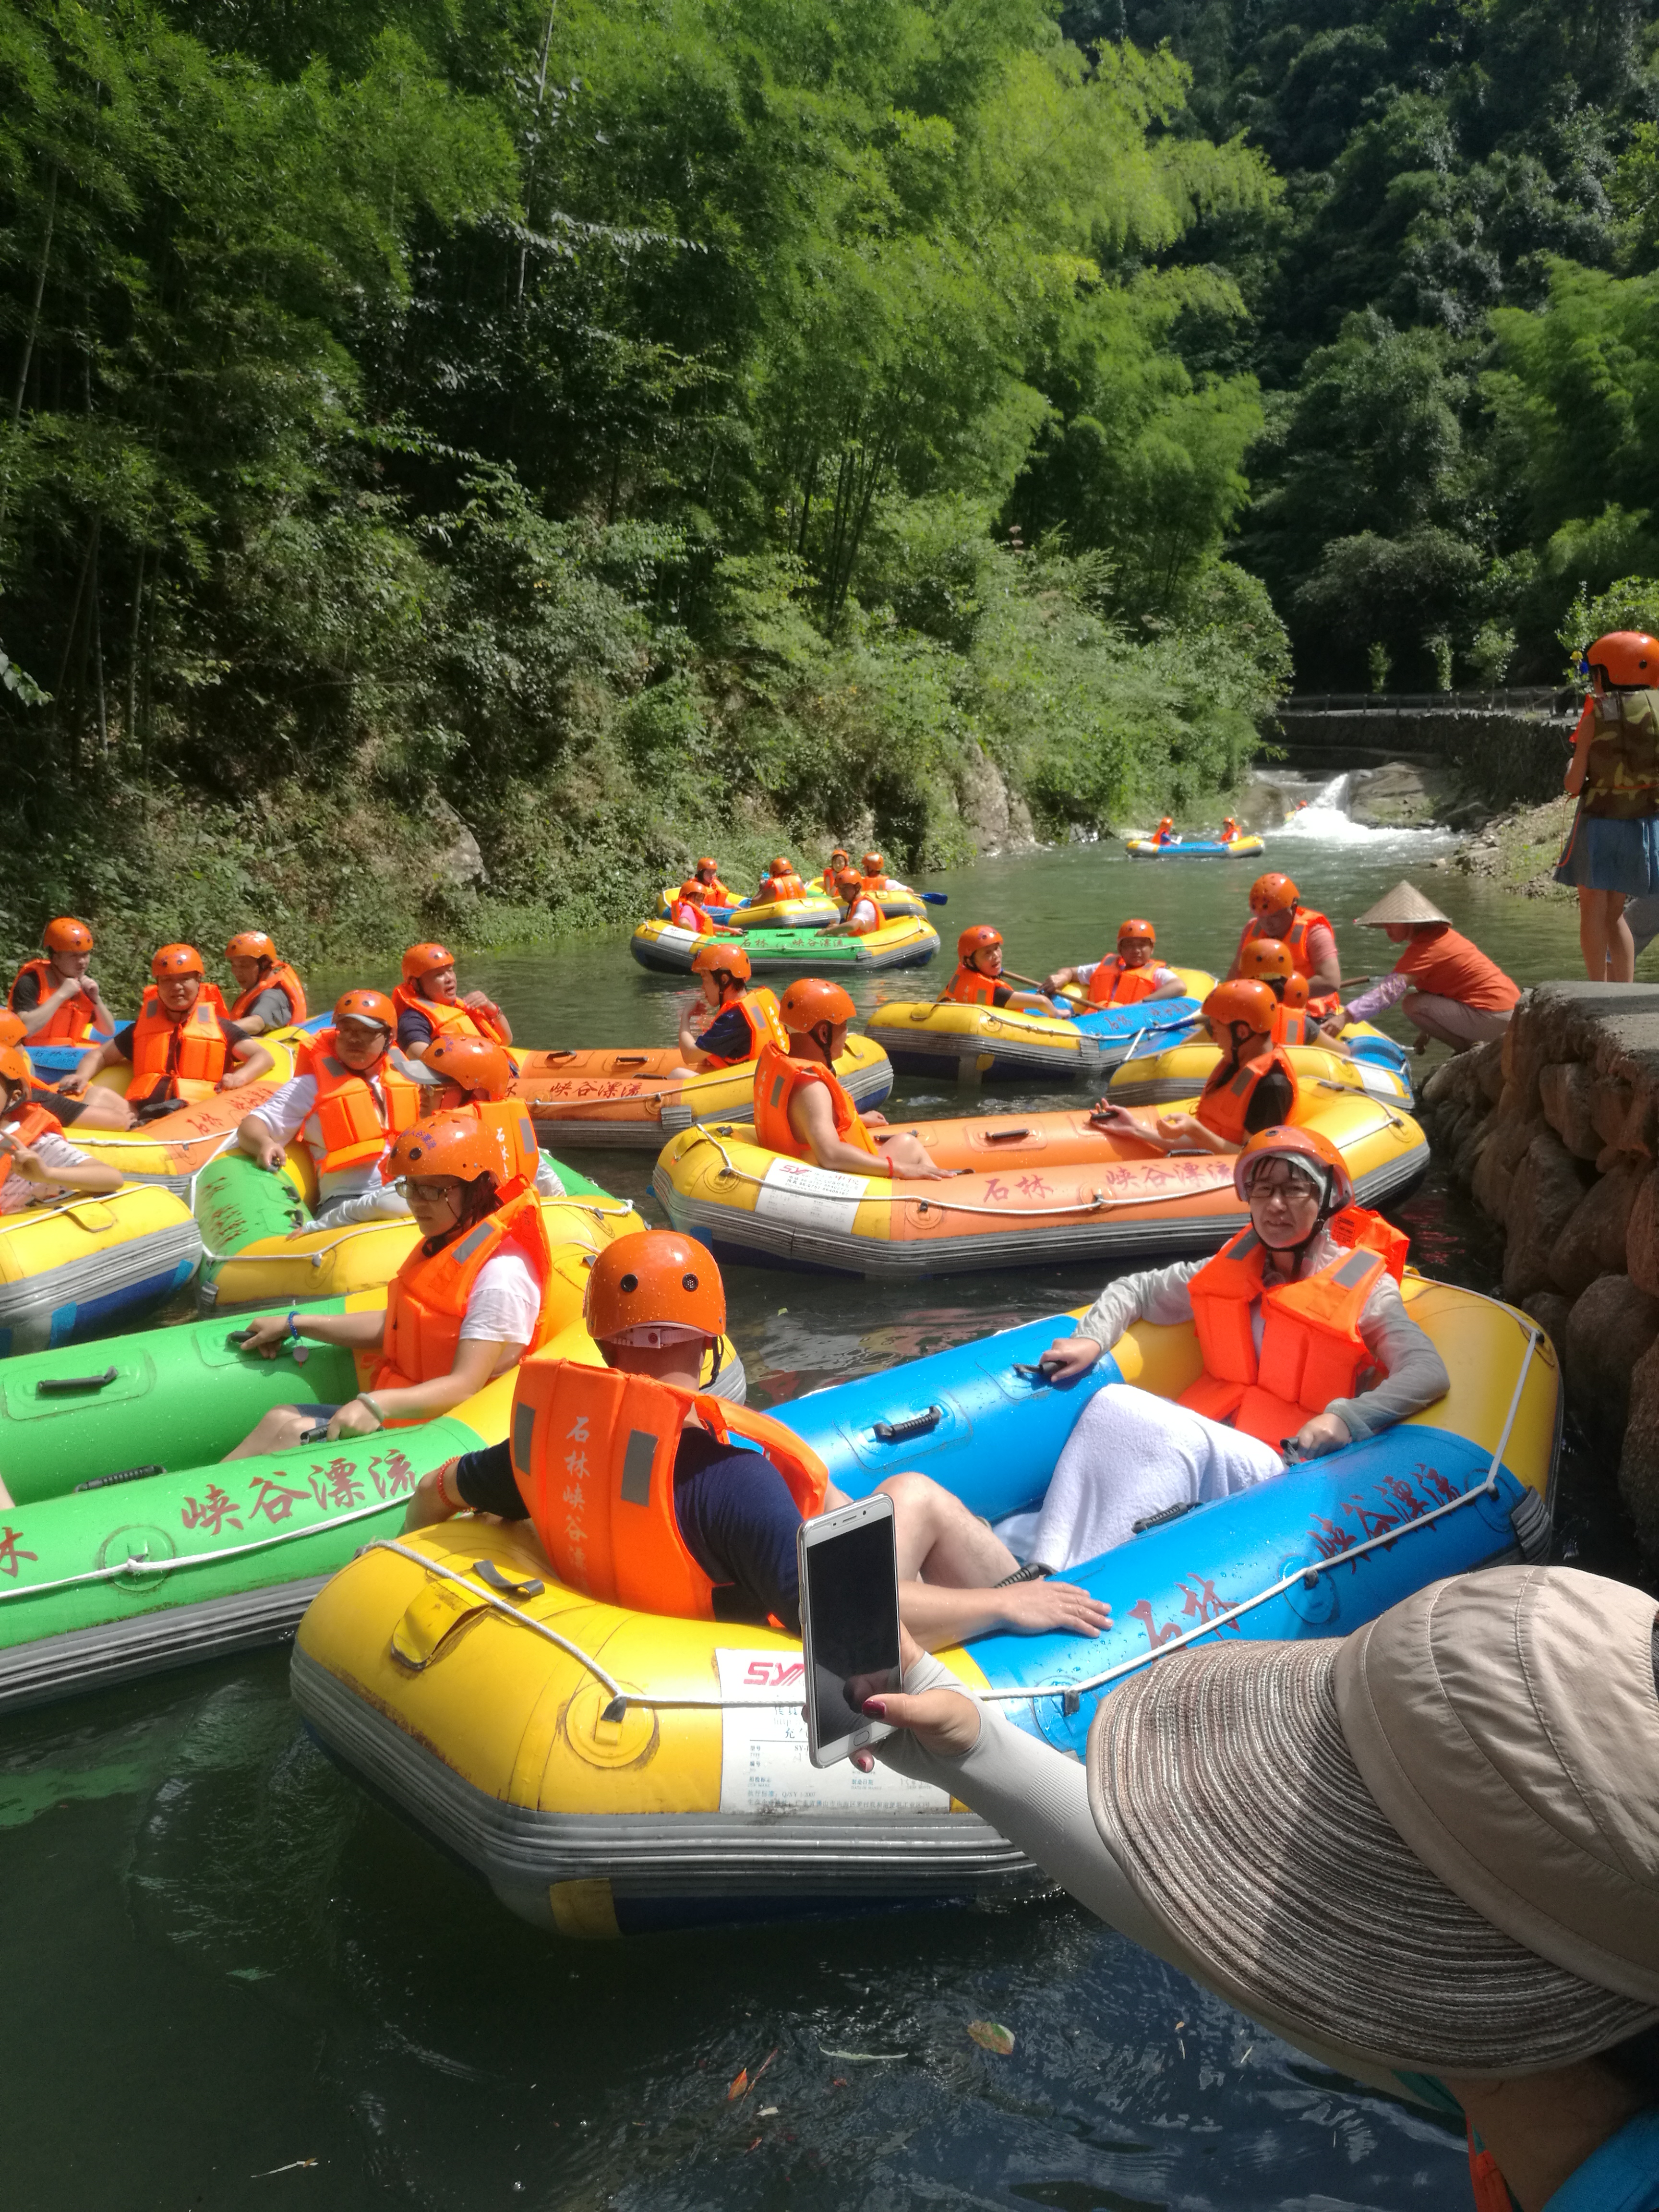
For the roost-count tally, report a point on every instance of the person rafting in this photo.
(271, 996)
(978, 979)
(465, 1306)
(36, 1159)
(876, 879)
(840, 858)
(429, 1004)
(1276, 911)
(715, 893)
(1309, 1289)
(740, 1018)
(1230, 830)
(802, 1111)
(1612, 851)
(716, 1539)
(1443, 985)
(780, 883)
(686, 910)
(860, 915)
(1126, 976)
(1253, 1087)
(1268, 960)
(352, 1094)
(476, 1076)
(56, 998)
(98, 1108)
(183, 1046)
(1165, 833)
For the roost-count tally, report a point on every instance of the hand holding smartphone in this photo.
(849, 1620)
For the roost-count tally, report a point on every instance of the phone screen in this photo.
(851, 1610)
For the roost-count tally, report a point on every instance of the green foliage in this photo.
(1632, 603)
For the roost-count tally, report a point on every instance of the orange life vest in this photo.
(1292, 1025)
(873, 886)
(1324, 1005)
(72, 1023)
(1302, 925)
(969, 988)
(1226, 1097)
(1113, 983)
(354, 1129)
(427, 1301)
(778, 1077)
(863, 915)
(281, 977)
(184, 1058)
(594, 1454)
(828, 880)
(31, 1125)
(684, 915)
(782, 887)
(451, 1020)
(1491, 2191)
(759, 1008)
(717, 893)
(1311, 1348)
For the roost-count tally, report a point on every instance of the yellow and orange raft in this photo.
(626, 1097)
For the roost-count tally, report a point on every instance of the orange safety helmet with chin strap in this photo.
(11, 1028)
(254, 945)
(758, 1008)
(66, 934)
(1628, 660)
(353, 1125)
(723, 958)
(445, 1017)
(373, 1008)
(74, 1022)
(1265, 958)
(32, 1122)
(807, 1005)
(970, 985)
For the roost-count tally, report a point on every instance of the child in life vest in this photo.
(270, 996)
(977, 981)
(1268, 960)
(465, 1306)
(36, 1160)
(1253, 1087)
(476, 1076)
(717, 1541)
(429, 1004)
(802, 1110)
(184, 1045)
(1125, 978)
(1363, 1361)
(739, 1020)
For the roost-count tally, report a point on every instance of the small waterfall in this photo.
(1325, 819)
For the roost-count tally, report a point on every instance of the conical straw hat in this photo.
(1405, 902)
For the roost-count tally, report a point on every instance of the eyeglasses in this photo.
(409, 1188)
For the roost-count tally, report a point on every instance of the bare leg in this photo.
(908, 1156)
(1604, 937)
(103, 1109)
(940, 1541)
(1621, 946)
(279, 1430)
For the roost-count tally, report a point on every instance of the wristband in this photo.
(300, 1352)
(363, 1399)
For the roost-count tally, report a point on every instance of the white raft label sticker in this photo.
(764, 1763)
(808, 1197)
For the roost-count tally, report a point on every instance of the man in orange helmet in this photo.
(1126, 976)
(58, 1001)
(708, 874)
(861, 916)
(977, 981)
(722, 1546)
(802, 1111)
(779, 882)
(1252, 1088)
(183, 1046)
(270, 996)
(740, 1019)
(1276, 911)
(350, 1094)
(98, 1109)
(429, 1004)
(465, 1306)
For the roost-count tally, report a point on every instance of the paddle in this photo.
(935, 898)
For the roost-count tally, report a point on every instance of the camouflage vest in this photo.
(1621, 779)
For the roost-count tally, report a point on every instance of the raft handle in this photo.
(55, 1386)
(127, 1474)
(1161, 1520)
(1006, 1136)
(918, 1425)
(487, 1572)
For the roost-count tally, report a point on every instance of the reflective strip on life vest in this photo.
(355, 1126)
(72, 1023)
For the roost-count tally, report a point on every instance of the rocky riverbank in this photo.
(1556, 1132)
(1517, 850)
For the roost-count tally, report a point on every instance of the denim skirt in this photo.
(1605, 854)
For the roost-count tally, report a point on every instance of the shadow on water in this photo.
(224, 1962)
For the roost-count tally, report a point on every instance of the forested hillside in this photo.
(621, 427)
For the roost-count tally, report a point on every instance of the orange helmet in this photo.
(473, 1062)
(1285, 1144)
(1264, 956)
(371, 1007)
(783, 865)
(981, 938)
(1272, 894)
(15, 1066)
(11, 1027)
(848, 880)
(456, 1144)
(717, 959)
(713, 866)
(423, 960)
(810, 1001)
(1628, 659)
(840, 853)
(1295, 993)
(874, 863)
(66, 934)
(1136, 931)
(1241, 1004)
(176, 960)
(654, 1288)
(250, 945)
(692, 889)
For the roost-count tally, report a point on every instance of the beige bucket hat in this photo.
(1405, 902)
(1434, 1842)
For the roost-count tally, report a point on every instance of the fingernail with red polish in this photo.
(876, 1707)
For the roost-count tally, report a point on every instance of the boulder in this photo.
(1593, 1242)
(1566, 1091)
(1609, 1333)
(1642, 1236)
(1545, 1192)
(1494, 1170)
(1489, 1069)
(1638, 1459)
(988, 811)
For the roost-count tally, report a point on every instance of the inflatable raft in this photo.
(1181, 1069)
(1193, 848)
(966, 1044)
(75, 1266)
(611, 1772)
(907, 942)
(816, 911)
(608, 1097)
(1036, 1189)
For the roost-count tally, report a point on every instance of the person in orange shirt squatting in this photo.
(977, 981)
(1442, 984)
(801, 1110)
(184, 1045)
(1253, 1088)
(1125, 976)
(715, 1539)
(429, 1004)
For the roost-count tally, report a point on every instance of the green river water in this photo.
(235, 1981)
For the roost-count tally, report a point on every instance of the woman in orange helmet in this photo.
(840, 858)
(977, 981)
(476, 1077)
(270, 996)
(58, 1001)
(465, 1306)
(1126, 976)
(801, 1109)
(183, 1046)
(1252, 1088)
(1612, 852)
(429, 1004)
(708, 874)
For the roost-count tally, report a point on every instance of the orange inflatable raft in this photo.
(633, 1098)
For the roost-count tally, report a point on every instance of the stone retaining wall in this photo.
(1502, 758)
(1556, 1132)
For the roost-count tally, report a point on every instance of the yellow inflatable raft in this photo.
(1181, 1069)
(1194, 849)
(940, 1037)
(1036, 1189)
(633, 1098)
(70, 1269)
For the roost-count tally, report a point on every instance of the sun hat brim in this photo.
(1221, 1781)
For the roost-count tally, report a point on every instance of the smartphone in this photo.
(849, 1623)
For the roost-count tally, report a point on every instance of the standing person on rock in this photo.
(1612, 852)
(1441, 983)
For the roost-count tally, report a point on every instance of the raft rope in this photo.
(1068, 1693)
(314, 1255)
